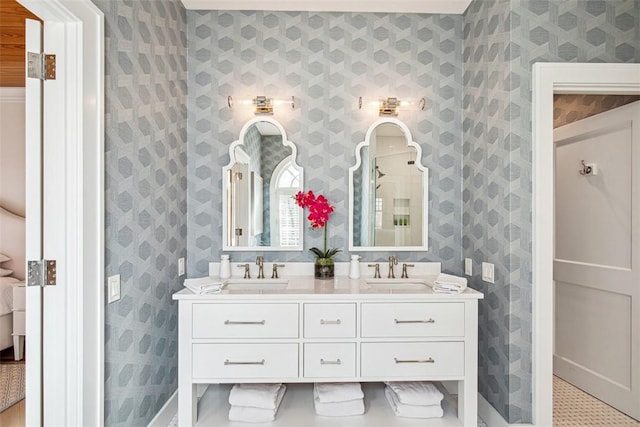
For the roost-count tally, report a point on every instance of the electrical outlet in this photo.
(468, 266)
(181, 266)
(488, 272)
(113, 288)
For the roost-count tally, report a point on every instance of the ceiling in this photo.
(388, 6)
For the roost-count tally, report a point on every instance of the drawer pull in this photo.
(429, 360)
(330, 322)
(330, 362)
(230, 362)
(415, 321)
(234, 322)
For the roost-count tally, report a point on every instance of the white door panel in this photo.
(597, 257)
(33, 202)
(48, 234)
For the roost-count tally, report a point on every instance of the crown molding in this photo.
(383, 6)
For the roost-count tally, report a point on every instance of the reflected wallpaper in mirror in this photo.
(388, 192)
(260, 183)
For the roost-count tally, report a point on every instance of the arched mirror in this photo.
(388, 191)
(259, 212)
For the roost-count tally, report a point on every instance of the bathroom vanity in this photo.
(301, 330)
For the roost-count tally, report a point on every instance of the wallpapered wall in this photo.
(571, 108)
(146, 206)
(325, 60)
(328, 60)
(502, 40)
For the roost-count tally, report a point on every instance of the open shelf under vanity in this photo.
(297, 410)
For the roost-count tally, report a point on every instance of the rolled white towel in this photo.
(263, 396)
(416, 392)
(204, 285)
(449, 284)
(347, 408)
(412, 411)
(250, 414)
(337, 392)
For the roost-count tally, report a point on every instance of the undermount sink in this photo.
(397, 284)
(256, 284)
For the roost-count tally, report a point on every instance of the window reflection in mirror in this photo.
(258, 185)
(388, 190)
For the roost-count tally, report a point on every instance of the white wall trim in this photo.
(492, 417)
(384, 6)
(550, 78)
(166, 413)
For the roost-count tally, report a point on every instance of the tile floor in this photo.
(573, 407)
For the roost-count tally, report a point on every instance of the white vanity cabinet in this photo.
(349, 334)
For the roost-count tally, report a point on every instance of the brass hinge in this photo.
(41, 66)
(41, 273)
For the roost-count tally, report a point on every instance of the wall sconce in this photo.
(263, 104)
(390, 106)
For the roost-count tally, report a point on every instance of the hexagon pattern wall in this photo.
(146, 206)
(325, 60)
(502, 40)
(328, 60)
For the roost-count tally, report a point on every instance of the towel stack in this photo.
(204, 285)
(414, 399)
(255, 403)
(338, 399)
(449, 284)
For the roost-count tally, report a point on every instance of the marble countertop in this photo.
(342, 287)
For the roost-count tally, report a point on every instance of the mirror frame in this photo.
(225, 202)
(425, 190)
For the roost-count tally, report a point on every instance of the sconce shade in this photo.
(390, 106)
(262, 105)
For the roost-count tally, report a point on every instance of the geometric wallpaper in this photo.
(145, 200)
(571, 108)
(503, 39)
(326, 61)
(475, 132)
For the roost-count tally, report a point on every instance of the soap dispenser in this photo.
(225, 267)
(354, 267)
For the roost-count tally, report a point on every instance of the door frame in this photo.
(81, 32)
(550, 78)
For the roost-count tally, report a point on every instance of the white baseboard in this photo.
(166, 413)
(492, 417)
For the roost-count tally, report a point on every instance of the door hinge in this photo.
(41, 273)
(41, 66)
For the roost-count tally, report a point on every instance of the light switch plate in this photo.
(181, 266)
(113, 288)
(468, 266)
(488, 272)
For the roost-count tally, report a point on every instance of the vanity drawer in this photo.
(329, 360)
(413, 359)
(412, 320)
(245, 361)
(329, 320)
(245, 320)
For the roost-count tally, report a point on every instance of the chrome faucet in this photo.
(404, 270)
(392, 261)
(247, 275)
(274, 273)
(376, 274)
(260, 263)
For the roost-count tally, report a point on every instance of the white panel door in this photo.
(48, 231)
(597, 257)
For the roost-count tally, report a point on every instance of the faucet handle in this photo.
(274, 273)
(247, 274)
(376, 274)
(404, 270)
